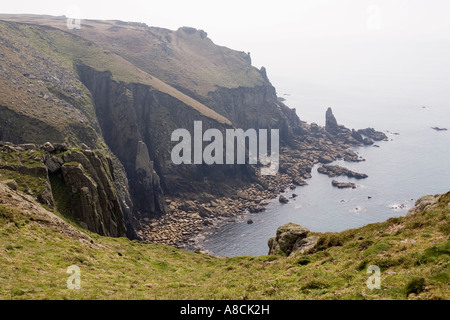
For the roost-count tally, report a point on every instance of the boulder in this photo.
(343, 185)
(283, 199)
(48, 147)
(12, 184)
(291, 238)
(297, 180)
(325, 159)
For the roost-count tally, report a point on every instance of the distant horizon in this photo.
(257, 26)
(367, 48)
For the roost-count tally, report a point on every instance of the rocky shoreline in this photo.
(190, 216)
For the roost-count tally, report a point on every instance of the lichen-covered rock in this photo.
(89, 174)
(425, 203)
(291, 238)
(12, 184)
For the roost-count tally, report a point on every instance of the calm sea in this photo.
(415, 162)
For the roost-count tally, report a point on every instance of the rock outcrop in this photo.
(353, 137)
(22, 166)
(331, 124)
(128, 103)
(439, 129)
(291, 238)
(336, 171)
(373, 134)
(89, 175)
(79, 182)
(282, 199)
(425, 203)
(343, 185)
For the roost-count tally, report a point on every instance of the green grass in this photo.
(34, 260)
(31, 184)
(27, 158)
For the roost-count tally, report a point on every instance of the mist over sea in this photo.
(395, 85)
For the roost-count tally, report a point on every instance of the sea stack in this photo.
(331, 124)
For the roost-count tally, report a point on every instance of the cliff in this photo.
(123, 88)
(77, 183)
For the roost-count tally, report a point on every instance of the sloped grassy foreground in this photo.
(37, 247)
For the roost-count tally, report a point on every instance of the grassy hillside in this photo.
(185, 58)
(40, 90)
(37, 247)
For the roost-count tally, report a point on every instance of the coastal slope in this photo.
(37, 247)
(123, 88)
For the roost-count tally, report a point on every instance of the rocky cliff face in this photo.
(256, 107)
(137, 122)
(80, 183)
(90, 176)
(120, 125)
(124, 88)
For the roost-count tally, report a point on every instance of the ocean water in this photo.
(414, 162)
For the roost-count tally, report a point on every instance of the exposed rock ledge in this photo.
(425, 203)
(292, 238)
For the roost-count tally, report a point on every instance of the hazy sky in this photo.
(339, 44)
(250, 25)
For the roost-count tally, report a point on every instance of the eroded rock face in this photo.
(147, 180)
(86, 182)
(291, 238)
(89, 176)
